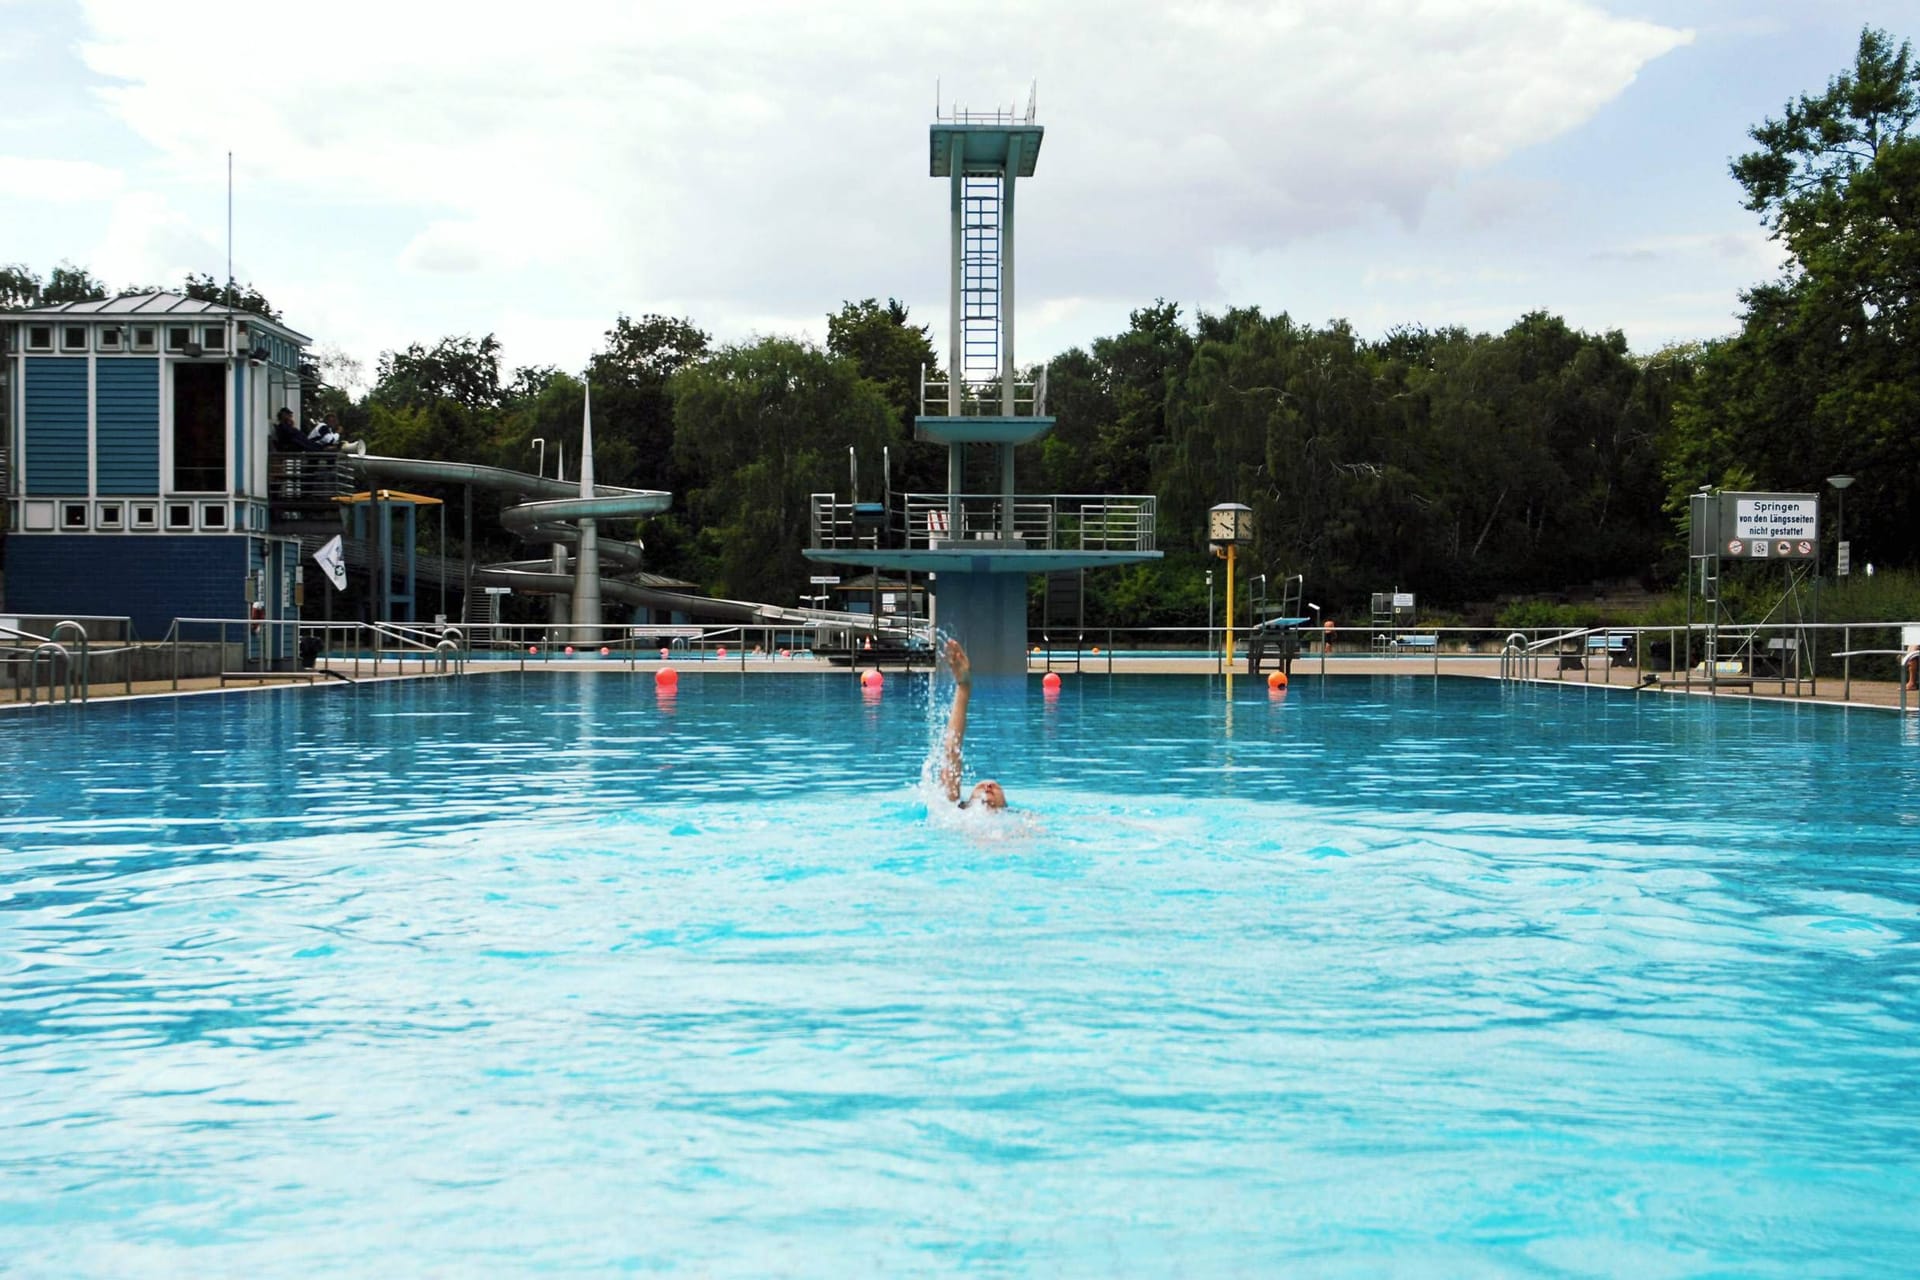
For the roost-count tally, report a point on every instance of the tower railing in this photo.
(981, 399)
(957, 521)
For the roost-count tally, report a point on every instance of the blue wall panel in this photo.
(55, 425)
(152, 579)
(126, 432)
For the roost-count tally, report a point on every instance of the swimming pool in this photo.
(552, 973)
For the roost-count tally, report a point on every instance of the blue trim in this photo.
(54, 426)
(126, 427)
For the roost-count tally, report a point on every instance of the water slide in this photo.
(553, 512)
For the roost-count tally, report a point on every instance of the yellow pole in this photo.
(1229, 622)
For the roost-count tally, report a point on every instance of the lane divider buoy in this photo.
(871, 679)
(1051, 680)
(1277, 680)
(666, 676)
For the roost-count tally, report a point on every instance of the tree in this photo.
(1824, 376)
(632, 398)
(462, 369)
(207, 289)
(891, 352)
(69, 283)
(767, 424)
(19, 288)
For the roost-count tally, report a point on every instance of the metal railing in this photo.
(1036, 522)
(982, 398)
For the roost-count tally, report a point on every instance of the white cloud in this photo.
(149, 242)
(742, 162)
(38, 178)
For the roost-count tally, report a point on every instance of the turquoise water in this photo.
(553, 974)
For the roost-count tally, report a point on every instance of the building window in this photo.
(178, 337)
(199, 427)
(39, 337)
(107, 515)
(179, 515)
(37, 517)
(73, 337)
(73, 515)
(213, 515)
(145, 337)
(109, 337)
(214, 337)
(146, 516)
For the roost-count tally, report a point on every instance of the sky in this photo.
(407, 171)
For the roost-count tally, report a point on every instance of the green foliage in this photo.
(462, 369)
(767, 424)
(69, 283)
(1824, 376)
(1527, 615)
(207, 289)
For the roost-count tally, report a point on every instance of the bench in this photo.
(1618, 649)
(1782, 653)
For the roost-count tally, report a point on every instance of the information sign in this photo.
(1768, 526)
(825, 579)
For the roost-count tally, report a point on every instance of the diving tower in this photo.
(981, 544)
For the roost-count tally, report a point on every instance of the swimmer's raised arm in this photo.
(987, 792)
(957, 720)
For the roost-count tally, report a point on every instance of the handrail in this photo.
(51, 650)
(85, 658)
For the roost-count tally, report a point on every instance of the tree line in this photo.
(1466, 466)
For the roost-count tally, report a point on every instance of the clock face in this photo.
(1222, 530)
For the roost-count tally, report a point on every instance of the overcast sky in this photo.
(404, 171)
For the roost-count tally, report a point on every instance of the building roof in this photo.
(150, 305)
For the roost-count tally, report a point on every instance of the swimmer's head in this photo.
(988, 793)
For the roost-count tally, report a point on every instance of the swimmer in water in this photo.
(988, 793)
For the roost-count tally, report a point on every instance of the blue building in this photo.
(137, 433)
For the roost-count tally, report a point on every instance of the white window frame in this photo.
(67, 334)
(214, 517)
(67, 511)
(143, 337)
(143, 517)
(110, 517)
(184, 510)
(110, 338)
(45, 344)
(214, 338)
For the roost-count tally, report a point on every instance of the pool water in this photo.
(555, 973)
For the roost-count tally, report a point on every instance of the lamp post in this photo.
(1216, 652)
(1841, 550)
(1229, 526)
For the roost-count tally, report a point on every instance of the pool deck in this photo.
(1829, 690)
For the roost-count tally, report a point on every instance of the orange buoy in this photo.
(871, 679)
(569, 651)
(604, 651)
(533, 648)
(1277, 680)
(1096, 648)
(666, 676)
(1051, 680)
(723, 651)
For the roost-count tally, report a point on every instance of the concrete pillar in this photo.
(986, 612)
(956, 343)
(1006, 276)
